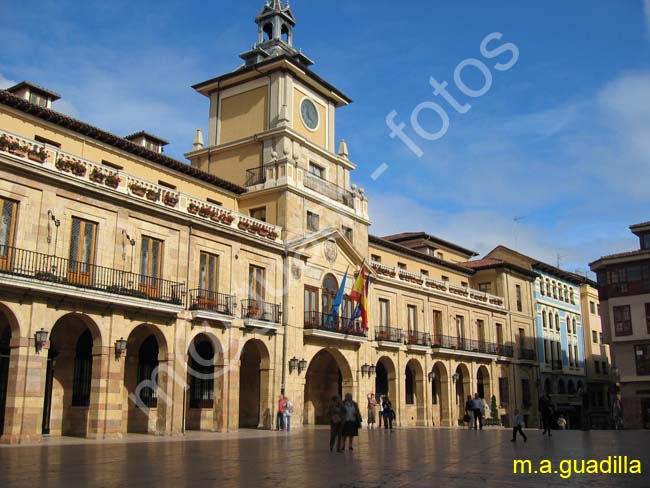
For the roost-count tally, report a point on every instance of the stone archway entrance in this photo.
(483, 384)
(385, 379)
(205, 379)
(69, 376)
(440, 395)
(254, 386)
(328, 374)
(463, 387)
(144, 381)
(414, 394)
(5, 352)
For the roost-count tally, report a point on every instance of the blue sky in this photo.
(561, 141)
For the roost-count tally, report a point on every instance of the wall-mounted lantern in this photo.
(302, 365)
(293, 364)
(432, 376)
(455, 377)
(372, 369)
(120, 347)
(364, 370)
(40, 338)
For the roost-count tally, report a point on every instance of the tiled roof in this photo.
(479, 263)
(118, 142)
(638, 252)
(491, 263)
(411, 236)
(146, 134)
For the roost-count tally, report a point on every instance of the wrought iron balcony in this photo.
(255, 176)
(527, 354)
(54, 270)
(333, 323)
(472, 345)
(389, 334)
(259, 310)
(328, 189)
(211, 301)
(415, 338)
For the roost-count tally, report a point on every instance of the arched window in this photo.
(147, 363)
(560, 387)
(410, 386)
(548, 288)
(557, 321)
(434, 390)
(544, 322)
(330, 289)
(286, 34)
(83, 370)
(555, 290)
(268, 32)
(560, 293)
(575, 326)
(541, 287)
(548, 387)
(202, 374)
(571, 388)
(573, 299)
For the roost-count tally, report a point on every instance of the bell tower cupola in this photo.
(275, 24)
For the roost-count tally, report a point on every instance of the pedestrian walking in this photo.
(518, 427)
(372, 406)
(381, 410)
(335, 415)
(389, 414)
(479, 406)
(351, 420)
(617, 412)
(561, 422)
(546, 410)
(280, 417)
(469, 412)
(288, 411)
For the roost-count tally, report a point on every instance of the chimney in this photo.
(343, 149)
(198, 140)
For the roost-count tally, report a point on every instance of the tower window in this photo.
(268, 32)
(285, 34)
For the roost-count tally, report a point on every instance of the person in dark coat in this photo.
(351, 420)
(335, 415)
(546, 411)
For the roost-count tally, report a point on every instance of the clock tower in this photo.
(272, 126)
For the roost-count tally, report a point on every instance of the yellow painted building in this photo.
(140, 293)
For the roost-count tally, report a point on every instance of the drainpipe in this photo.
(285, 315)
(187, 280)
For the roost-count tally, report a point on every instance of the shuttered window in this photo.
(209, 272)
(151, 257)
(82, 245)
(7, 225)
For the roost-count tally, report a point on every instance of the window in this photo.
(317, 170)
(424, 272)
(464, 284)
(412, 318)
(642, 355)
(460, 326)
(570, 356)
(548, 288)
(37, 99)
(445, 278)
(645, 241)
(485, 287)
(147, 364)
(541, 288)
(592, 308)
(311, 305)
(555, 290)
(43, 140)
(547, 351)
(82, 374)
(437, 322)
(384, 312)
(440, 255)
(594, 336)
(216, 202)
(647, 316)
(313, 221)
(258, 213)
(557, 322)
(520, 307)
(504, 392)
(573, 298)
(108, 164)
(348, 233)
(151, 257)
(525, 393)
(522, 339)
(605, 367)
(375, 258)
(597, 366)
(401, 266)
(622, 321)
(209, 272)
(410, 386)
(256, 283)
(8, 209)
(480, 330)
(499, 328)
(544, 322)
(171, 186)
(600, 336)
(82, 251)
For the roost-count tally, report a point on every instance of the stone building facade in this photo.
(139, 293)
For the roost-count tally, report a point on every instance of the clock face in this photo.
(309, 114)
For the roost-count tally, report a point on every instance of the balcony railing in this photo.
(527, 354)
(415, 338)
(388, 334)
(211, 301)
(258, 310)
(255, 176)
(556, 365)
(333, 323)
(472, 345)
(55, 270)
(329, 189)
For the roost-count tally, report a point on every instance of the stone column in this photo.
(105, 410)
(25, 392)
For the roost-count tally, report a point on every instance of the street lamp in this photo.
(432, 376)
(40, 339)
(293, 364)
(120, 347)
(364, 370)
(372, 369)
(455, 377)
(302, 365)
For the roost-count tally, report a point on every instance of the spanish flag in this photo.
(359, 294)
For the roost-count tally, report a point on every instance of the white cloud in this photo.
(5, 83)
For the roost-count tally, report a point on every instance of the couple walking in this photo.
(386, 412)
(475, 409)
(285, 410)
(345, 421)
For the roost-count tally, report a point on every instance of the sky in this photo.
(553, 159)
